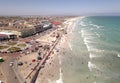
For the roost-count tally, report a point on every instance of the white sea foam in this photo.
(91, 66)
(97, 34)
(96, 26)
(70, 46)
(60, 80)
(82, 23)
(94, 82)
(87, 43)
(118, 55)
(91, 56)
(82, 33)
(86, 34)
(87, 40)
(88, 47)
(97, 50)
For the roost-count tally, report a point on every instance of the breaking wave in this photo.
(96, 26)
(60, 80)
(91, 66)
(70, 46)
(82, 23)
(118, 55)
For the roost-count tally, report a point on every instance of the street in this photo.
(8, 71)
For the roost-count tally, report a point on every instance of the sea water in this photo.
(93, 51)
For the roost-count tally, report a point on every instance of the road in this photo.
(8, 71)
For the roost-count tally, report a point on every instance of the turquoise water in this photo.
(95, 53)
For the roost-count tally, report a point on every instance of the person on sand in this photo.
(15, 77)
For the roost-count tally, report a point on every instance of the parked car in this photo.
(33, 60)
(20, 63)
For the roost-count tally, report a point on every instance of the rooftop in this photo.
(6, 33)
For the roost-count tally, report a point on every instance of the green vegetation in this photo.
(22, 45)
(14, 49)
(1, 59)
(12, 43)
(3, 47)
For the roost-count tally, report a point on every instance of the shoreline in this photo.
(52, 71)
(56, 57)
(52, 68)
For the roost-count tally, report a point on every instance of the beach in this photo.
(52, 72)
(2, 75)
(92, 53)
(49, 41)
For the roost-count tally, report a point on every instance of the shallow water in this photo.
(93, 52)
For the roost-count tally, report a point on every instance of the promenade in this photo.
(33, 74)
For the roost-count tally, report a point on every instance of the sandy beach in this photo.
(52, 72)
(60, 41)
(2, 75)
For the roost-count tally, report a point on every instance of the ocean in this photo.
(93, 51)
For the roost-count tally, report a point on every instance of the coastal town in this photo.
(27, 44)
(59, 41)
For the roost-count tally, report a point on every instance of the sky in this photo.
(59, 7)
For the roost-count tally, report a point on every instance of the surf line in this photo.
(60, 80)
(70, 46)
(118, 55)
(91, 66)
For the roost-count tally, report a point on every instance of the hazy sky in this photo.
(59, 7)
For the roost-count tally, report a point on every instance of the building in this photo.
(7, 36)
(47, 26)
(3, 37)
(42, 27)
(27, 32)
(38, 28)
(56, 23)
